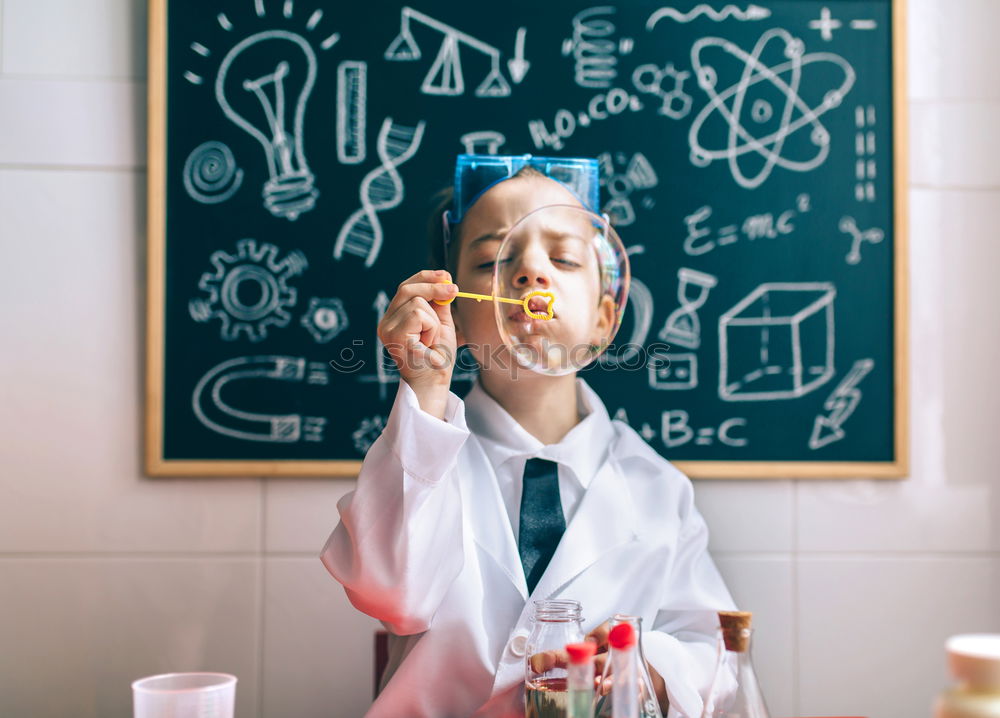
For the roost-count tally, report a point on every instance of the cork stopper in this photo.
(736, 630)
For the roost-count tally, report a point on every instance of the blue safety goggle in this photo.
(476, 174)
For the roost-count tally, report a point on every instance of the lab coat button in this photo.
(518, 644)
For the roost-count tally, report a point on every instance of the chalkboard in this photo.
(751, 155)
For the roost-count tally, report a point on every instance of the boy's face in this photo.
(552, 252)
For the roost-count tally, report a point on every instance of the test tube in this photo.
(580, 679)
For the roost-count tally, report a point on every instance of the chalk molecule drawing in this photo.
(743, 112)
(210, 173)
(248, 291)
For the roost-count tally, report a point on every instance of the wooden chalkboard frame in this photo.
(156, 465)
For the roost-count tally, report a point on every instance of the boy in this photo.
(466, 511)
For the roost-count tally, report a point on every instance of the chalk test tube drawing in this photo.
(683, 326)
(666, 83)
(751, 156)
(640, 303)
(253, 272)
(325, 318)
(842, 402)
(352, 89)
(849, 226)
(217, 414)
(210, 173)
(672, 370)
(865, 165)
(621, 177)
(270, 105)
(595, 52)
(777, 342)
(483, 142)
(445, 76)
(381, 189)
(748, 14)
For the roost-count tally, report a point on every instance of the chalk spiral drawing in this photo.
(381, 189)
(210, 173)
(732, 104)
(221, 417)
(594, 52)
(255, 272)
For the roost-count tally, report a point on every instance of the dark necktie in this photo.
(542, 523)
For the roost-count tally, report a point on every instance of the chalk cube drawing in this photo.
(777, 342)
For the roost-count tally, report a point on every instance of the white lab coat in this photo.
(426, 546)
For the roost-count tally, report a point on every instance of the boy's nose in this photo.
(532, 270)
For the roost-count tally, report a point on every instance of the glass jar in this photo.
(649, 705)
(555, 623)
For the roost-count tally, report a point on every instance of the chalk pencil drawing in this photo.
(744, 150)
(381, 190)
(210, 173)
(217, 413)
(253, 272)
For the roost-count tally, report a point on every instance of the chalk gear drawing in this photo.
(248, 292)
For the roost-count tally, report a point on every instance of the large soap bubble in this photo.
(567, 262)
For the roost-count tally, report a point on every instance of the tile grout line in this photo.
(796, 622)
(262, 589)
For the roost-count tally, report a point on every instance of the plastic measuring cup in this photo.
(184, 695)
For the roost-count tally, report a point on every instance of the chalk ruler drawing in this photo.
(210, 173)
(747, 14)
(865, 165)
(445, 76)
(221, 417)
(381, 189)
(849, 226)
(842, 402)
(622, 176)
(777, 342)
(732, 105)
(595, 52)
(253, 271)
(675, 103)
(352, 89)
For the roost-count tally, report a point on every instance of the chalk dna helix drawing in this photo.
(248, 292)
(743, 113)
(210, 173)
(381, 189)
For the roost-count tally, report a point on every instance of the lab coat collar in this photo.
(582, 450)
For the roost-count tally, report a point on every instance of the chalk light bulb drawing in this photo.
(263, 85)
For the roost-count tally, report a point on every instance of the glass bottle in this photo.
(649, 705)
(555, 623)
(744, 699)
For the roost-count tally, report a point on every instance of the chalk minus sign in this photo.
(863, 24)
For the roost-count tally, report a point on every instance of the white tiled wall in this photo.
(106, 576)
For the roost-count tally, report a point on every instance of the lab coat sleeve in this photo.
(682, 644)
(398, 546)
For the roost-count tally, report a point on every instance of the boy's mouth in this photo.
(539, 305)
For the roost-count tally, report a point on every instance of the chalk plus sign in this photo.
(826, 24)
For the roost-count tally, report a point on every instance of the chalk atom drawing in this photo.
(381, 190)
(248, 292)
(842, 402)
(210, 173)
(740, 111)
(445, 76)
(777, 342)
(212, 400)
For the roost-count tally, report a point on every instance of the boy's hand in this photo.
(419, 335)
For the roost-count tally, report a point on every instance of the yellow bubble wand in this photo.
(550, 300)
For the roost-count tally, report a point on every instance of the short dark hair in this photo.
(441, 202)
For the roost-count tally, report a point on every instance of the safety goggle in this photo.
(476, 174)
